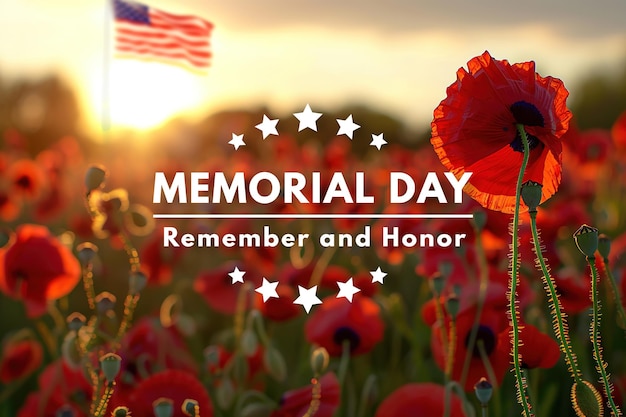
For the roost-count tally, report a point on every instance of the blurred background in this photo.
(386, 63)
(395, 58)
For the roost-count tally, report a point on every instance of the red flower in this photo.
(148, 347)
(337, 321)
(26, 178)
(573, 289)
(295, 403)
(618, 131)
(490, 325)
(538, 350)
(281, 308)
(173, 384)
(217, 289)
(59, 386)
(54, 274)
(9, 207)
(474, 129)
(419, 400)
(20, 358)
(157, 261)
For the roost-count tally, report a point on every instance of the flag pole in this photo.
(106, 77)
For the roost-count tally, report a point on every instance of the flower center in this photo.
(345, 333)
(527, 114)
(24, 182)
(484, 336)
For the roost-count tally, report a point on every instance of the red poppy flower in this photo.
(474, 129)
(281, 308)
(618, 131)
(53, 276)
(295, 403)
(148, 347)
(173, 384)
(9, 207)
(490, 325)
(419, 400)
(538, 350)
(59, 386)
(26, 178)
(337, 321)
(158, 261)
(20, 358)
(217, 289)
(573, 289)
(591, 146)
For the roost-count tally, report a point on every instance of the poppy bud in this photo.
(586, 400)
(75, 321)
(225, 393)
(483, 390)
(587, 240)
(94, 178)
(531, 194)
(212, 356)
(275, 363)
(479, 219)
(445, 268)
(69, 351)
(189, 407)
(163, 407)
(121, 412)
(249, 342)
(86, 252)
(437, 283)
(319, 360)
(105, 302)
(110, 364)
(604, 246)
(452, 305)
(136, 282)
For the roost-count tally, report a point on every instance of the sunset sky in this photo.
(396, 56)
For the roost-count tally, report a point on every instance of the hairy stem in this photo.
(559, 318)
(520, 382)
(594, 333)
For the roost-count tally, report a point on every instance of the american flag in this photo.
(143, 31)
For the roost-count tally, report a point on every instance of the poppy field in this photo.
(112, 307)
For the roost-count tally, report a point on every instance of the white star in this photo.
(307, 118)
(237, 141)
(268, 127)
(347, 289)
(378, 275)
(268, 289)
(237, 275)
(378, 141)
(307, 298)
(347, 127)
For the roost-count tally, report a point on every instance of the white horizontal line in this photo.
(311, 216)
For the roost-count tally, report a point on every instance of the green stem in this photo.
(482, 295)
(341, 375)
(616, 295)
(559, 318)
(601, 365)
(520, 382)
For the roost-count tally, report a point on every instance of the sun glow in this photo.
(144, 94)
